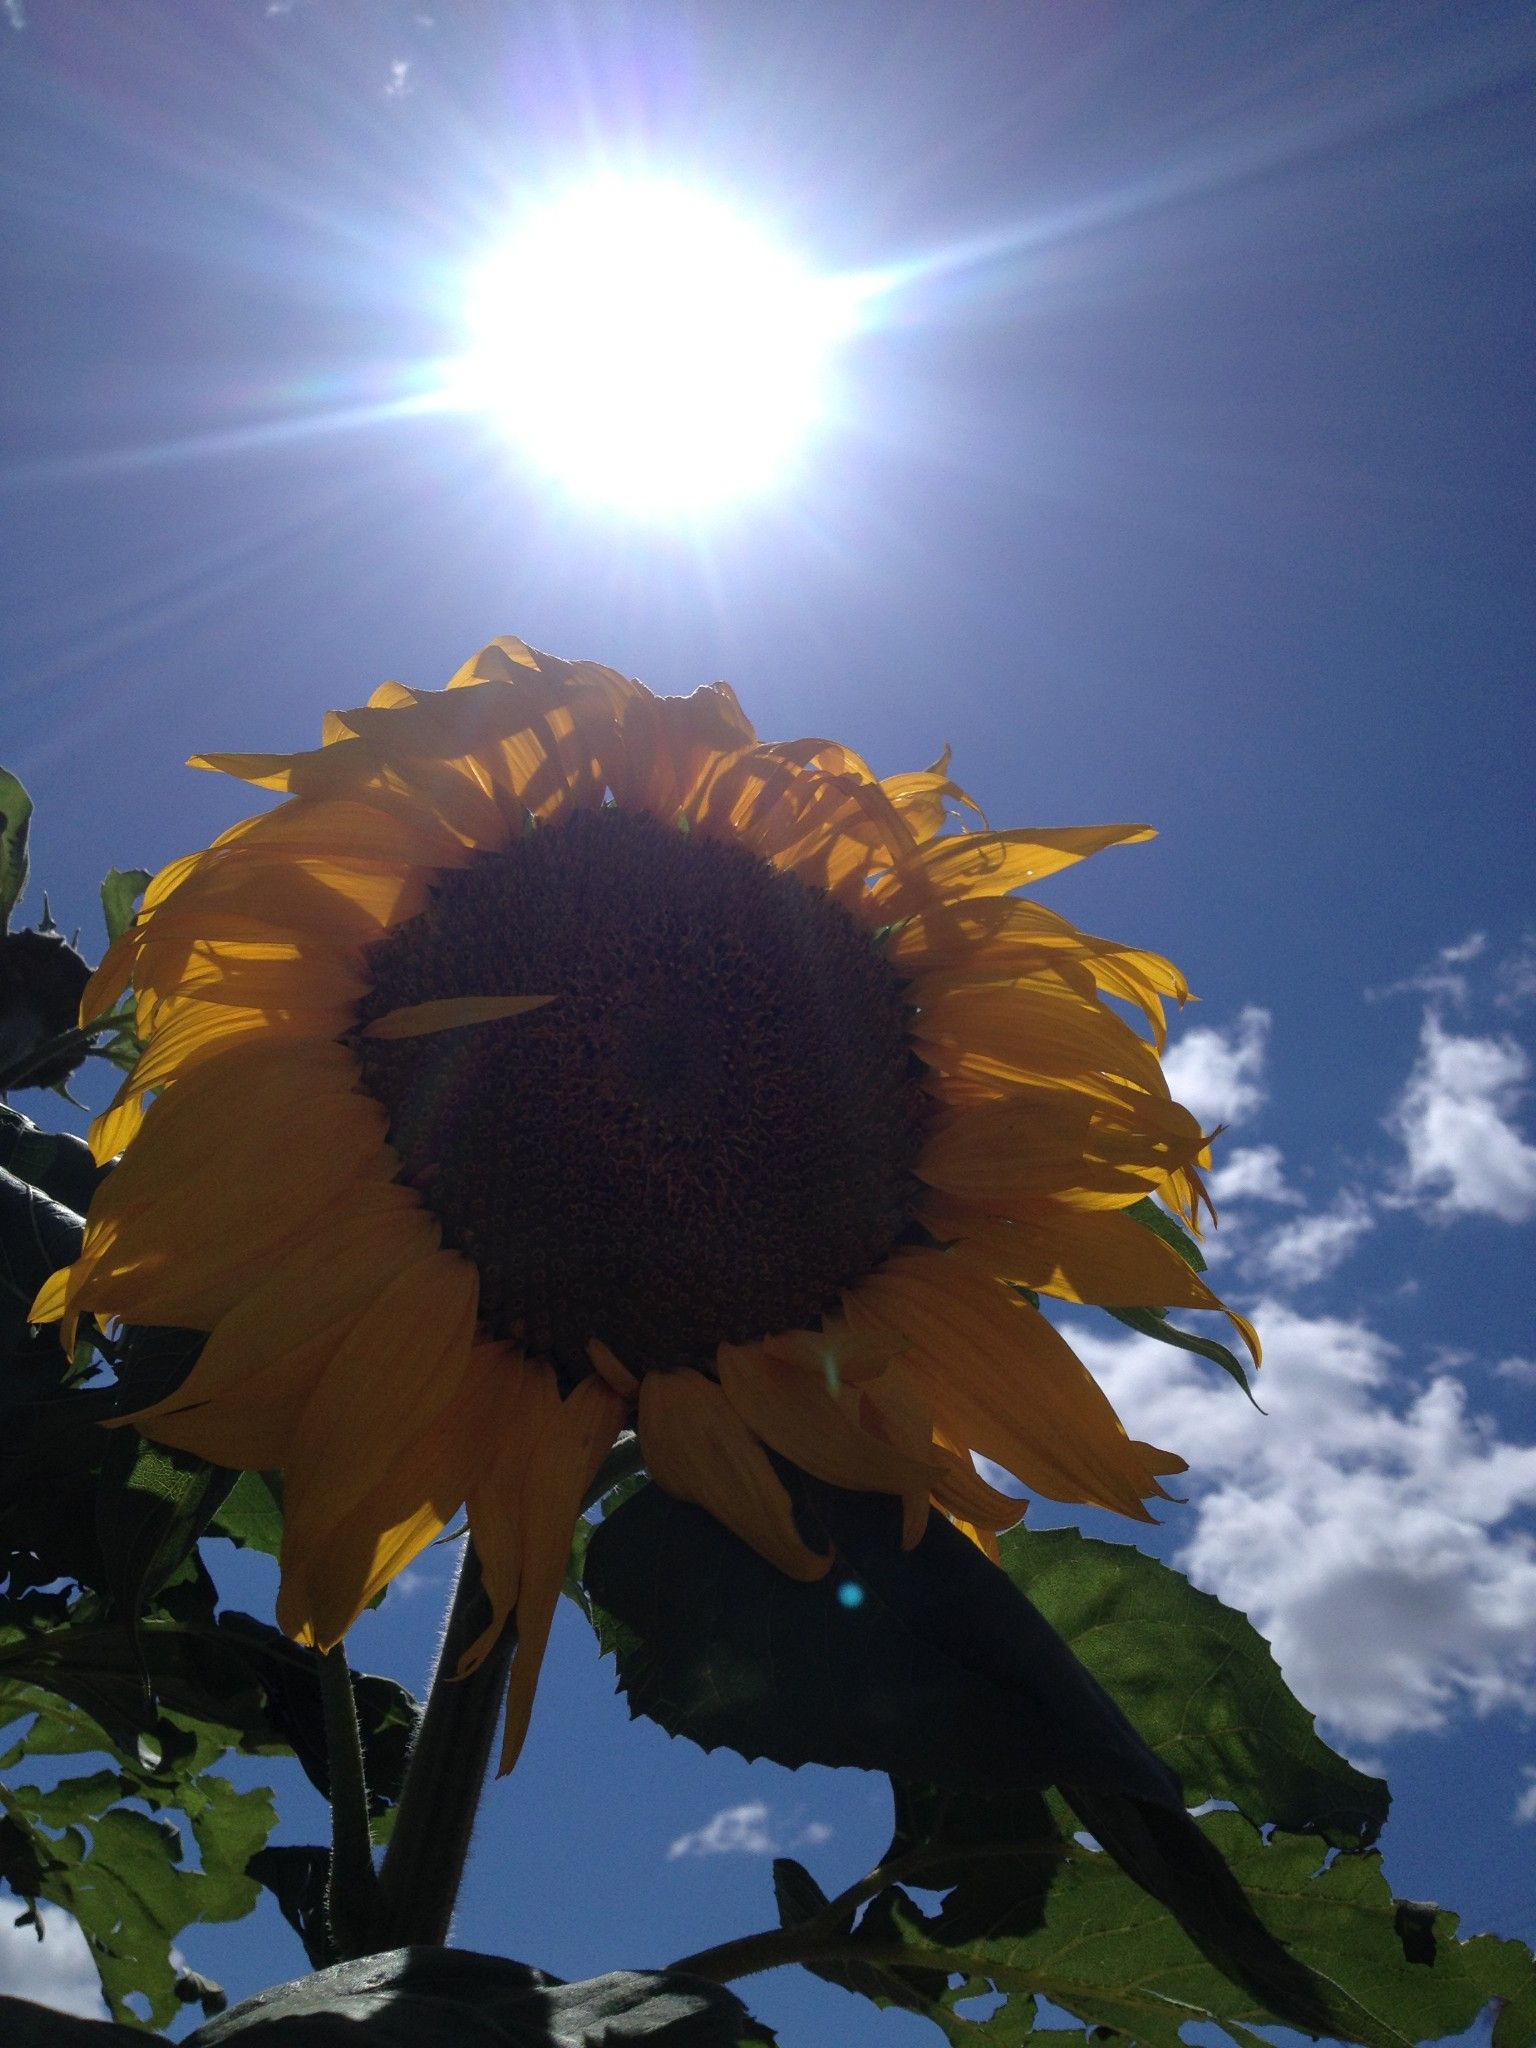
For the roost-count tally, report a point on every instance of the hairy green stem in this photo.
(424, 1863)
(351, 1898)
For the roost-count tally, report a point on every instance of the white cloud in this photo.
(1254, 1173)
(1219, 1074)
(1309, 1248)
(744, 1831)
(1463, 1155)
(1516, 977)
(56, 1971)
(1525, 1805)
(399, 83)
(1442, 977)
(1520, 1369)
(1381, 1549)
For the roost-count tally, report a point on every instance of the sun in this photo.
(649, 348)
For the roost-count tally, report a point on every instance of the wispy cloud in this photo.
(1525, 1805)
(1218, 1074)
(399, 81)
(745, 1831)
(1441, 978)
(1464, 1154)
(1309, 1248)
(1253, 1173)
(56, 1971)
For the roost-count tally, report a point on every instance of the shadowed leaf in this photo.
(453, 1998)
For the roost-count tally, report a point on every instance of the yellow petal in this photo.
(1045, 1140)
(1028, 1028)
(1002, 1381)
(698, 1449)
(449, 1013)
(1102, 1257)
(991, 863)
(389, 1381)
(797, 1415)
(573, 1445)
(168, 1241)
(409, 1508)
(245, 1396)
(523, 1399)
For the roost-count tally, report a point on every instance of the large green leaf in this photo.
(184, 1665)
(25, 2025)
(453, 1998)
(1056, 1920)
(152, 1505)
(15, 824)
(57, 1162)
(84, 1844)
(1199, 1682)
(37, 1236)
(929, 1664)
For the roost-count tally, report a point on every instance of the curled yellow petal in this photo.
(449, 1013)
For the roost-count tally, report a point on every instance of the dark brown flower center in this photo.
(710, 1129)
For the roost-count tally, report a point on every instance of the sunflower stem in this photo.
(424, 1864)
(352, 1891)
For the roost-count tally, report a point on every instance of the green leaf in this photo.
(152, 1505)
(37, 1236)
(15, 823)
(1199, 1683)
(24, 2025)
(121, 889)
(932, 1665)
(298, 1877)
(447, 1998)
(1154, 1323)
(228, 1672)
(1089, 1942)
(57, 1163)
(251, 1513)
(800, 1899)
(85, 1844)
(1154, 1217)
(928, 1664)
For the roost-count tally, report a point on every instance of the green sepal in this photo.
(1154, 1323)
(1154, 1217)
(121, 889)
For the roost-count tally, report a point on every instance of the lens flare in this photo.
(649, 348)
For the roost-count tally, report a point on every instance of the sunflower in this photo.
(559, 1059)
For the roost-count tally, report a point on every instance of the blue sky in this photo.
(1181, 473)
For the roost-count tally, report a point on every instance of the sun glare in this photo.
(650, 349)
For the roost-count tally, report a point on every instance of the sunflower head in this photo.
(558, 1058)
